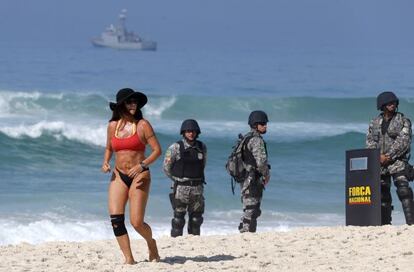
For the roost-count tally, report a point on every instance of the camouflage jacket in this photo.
(257, 147)
(173, 154)
(395, 143)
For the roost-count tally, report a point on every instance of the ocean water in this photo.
(54, 112)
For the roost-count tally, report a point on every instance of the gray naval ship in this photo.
(119, 37)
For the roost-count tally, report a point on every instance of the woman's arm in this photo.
(152, 140)
(108, 149)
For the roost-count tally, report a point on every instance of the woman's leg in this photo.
(117, 199)
(138, 196)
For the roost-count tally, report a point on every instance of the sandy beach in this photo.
(386, 248)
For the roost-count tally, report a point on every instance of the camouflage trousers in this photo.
(251, 197)
(396, 167)
(189, 198)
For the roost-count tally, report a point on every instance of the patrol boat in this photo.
(119, 37)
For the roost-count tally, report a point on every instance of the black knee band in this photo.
(118, 224)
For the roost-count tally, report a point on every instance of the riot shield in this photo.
(362, 187)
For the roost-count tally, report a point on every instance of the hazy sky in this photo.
(385, 24)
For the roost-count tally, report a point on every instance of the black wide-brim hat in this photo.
(127, 93)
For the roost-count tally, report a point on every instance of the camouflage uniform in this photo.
(252, 187)
(188, 197)
(395, 142)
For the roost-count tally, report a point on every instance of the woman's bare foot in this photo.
(130, 261)
(153, 251)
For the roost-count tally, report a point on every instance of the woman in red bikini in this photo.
(128, 134)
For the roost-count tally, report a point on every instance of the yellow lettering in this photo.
(359, 191)
(360, 200)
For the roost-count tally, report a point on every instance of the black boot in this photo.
(408, 208)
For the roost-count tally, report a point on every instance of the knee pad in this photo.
(178, 221)
(194, 223)
(177, 224)
(196, 219)
(118, 224)
(404, 191)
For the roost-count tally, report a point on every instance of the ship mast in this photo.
(121, 27)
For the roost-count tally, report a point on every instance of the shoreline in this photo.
(385, 248)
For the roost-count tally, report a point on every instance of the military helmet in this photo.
(190, 124)
(385, 98)
(257, 117)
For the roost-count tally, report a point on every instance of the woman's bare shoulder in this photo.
(145, 128)
(112, 125)
(144, 123)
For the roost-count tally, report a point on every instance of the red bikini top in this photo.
(130, 143)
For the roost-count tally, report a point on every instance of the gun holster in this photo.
(172, 200)
(172, 196)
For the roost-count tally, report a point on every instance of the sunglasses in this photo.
(131, 101)
(262, 123)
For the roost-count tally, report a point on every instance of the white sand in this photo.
(387, 248)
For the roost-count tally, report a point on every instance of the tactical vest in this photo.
(191, 162)
(247, 154)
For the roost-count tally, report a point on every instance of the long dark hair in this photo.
(121, 111)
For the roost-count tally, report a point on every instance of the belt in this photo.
(190, 182)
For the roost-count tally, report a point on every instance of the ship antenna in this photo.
(122, 18)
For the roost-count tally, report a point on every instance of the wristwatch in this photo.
(143, 166)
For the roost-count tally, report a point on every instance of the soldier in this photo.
(255, 157)
(391, 133)
(184, 164)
